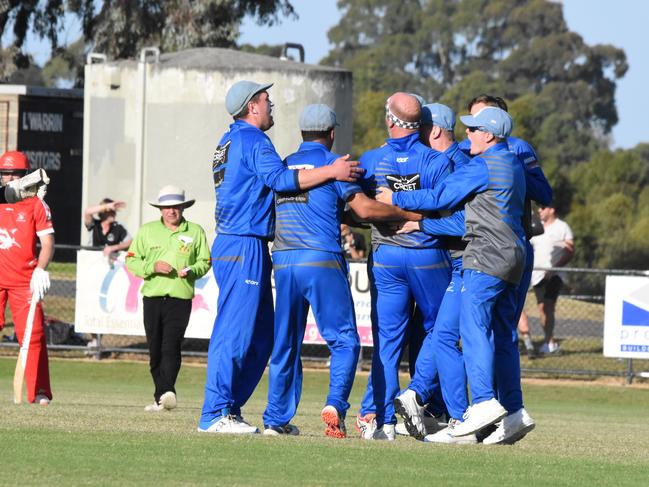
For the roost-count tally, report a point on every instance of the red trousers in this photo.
(37, 372)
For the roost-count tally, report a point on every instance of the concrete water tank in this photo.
(158, 120)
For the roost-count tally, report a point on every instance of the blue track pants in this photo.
(398, 275)
(242, 338)
(318, 278)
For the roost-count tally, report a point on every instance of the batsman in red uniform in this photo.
(23, 275)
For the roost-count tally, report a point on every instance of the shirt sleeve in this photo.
(42, 217)
(345, 190)
(450, 226)
(538, 188)
(567, 232)
(201, 254)
(450, 193)
(271, 169)
(136, 261)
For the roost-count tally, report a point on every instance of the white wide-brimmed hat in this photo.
(172, 196)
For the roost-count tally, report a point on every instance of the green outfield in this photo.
(96, 432)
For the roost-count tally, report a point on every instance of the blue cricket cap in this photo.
(240, 94)
(438, 114)
(491, 119)
(420, 98)
(317, 118)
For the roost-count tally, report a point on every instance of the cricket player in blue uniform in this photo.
(401, 267)
(246, 170)
(310, 269)
(518, 422)
(440, 353)
(493, 186)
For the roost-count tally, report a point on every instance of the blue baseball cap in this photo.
(240, 94)
(317, 118)
(491, 119)
(420, 98)
(438, 114)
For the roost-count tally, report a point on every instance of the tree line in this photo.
(560, 90)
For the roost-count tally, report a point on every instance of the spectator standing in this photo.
(353, 243)
(103, 228)
(24, 276)
(554, 248)
(104, 231)
(170, 254)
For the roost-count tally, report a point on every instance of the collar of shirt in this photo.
(182, 226)
(500, 146)
(403, 144)
(312, 145)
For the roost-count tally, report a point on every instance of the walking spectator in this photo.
(170, 254)
(554, 248)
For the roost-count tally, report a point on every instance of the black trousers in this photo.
(165, 322)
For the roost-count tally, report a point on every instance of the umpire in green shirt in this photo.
(170, 254)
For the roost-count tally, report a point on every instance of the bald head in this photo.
(405, 106)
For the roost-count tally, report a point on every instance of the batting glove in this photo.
(40, 283)
(26, 187)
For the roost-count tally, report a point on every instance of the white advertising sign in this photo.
(108, 300)
(626, 317)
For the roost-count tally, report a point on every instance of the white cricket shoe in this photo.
(227, 424)
(479, 416)
(548, 348)
(412, 413)
(511, 429)
(400, 429)
(153, 408)
(366, 425)
(286, 430)
(384, 433)
(168, 400)
(446, 437)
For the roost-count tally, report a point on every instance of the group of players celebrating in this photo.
(449, 235)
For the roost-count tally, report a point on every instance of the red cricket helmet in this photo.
(13, 161)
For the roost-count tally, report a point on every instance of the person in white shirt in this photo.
(553, 248)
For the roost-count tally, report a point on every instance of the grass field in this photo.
(96, 432)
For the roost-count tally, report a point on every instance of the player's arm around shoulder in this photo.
(201, 253)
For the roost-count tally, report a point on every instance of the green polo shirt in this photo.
(185, 247)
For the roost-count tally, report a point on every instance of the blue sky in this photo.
(619, 23)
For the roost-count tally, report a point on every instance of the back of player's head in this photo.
(489, 100)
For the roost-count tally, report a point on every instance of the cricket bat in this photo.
(19, 374)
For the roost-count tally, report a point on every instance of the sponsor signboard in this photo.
(626, 317)
(108, 301)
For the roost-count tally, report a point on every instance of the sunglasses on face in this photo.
(473, 129)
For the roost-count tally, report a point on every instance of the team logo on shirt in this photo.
(218, 162)
(20, 218)
(409, 182)
(7, 239)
